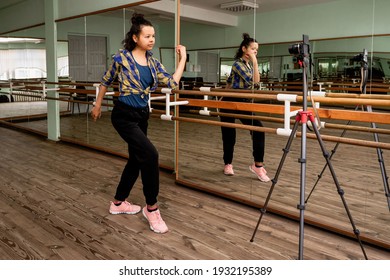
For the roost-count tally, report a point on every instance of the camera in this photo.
(300, 50)
(361, 57)
(295, 49)
(358, 57)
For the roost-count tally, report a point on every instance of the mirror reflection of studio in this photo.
(264, 129)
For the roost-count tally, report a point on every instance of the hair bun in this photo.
(137, 19)
(245, 36)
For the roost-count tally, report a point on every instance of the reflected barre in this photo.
(46, 89)
(286, 98)
(31, 91)
(289, 111)
(205, 111)
(330, 113)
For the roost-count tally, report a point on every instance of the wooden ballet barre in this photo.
(35, 95)
(338, 114)
(281, 120)
(34, 89)
(327, 94)
(273, 92)
(287, 98)
(349, 101)
(283, 97)
(350, 141)
(357, 128)
(318, 97)
(70, 90)
(357, 95)
(287, 121)
(354, 100)
(228, 94)
(219, 123)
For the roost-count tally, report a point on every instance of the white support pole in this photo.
(320, 84)
(167, 116)
(97, 93)
(205, 111)
(45, 90)
(287, 98)
(154, 98)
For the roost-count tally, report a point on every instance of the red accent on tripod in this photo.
(303, 116)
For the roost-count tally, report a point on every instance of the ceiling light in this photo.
(19, 40)
(239, 6)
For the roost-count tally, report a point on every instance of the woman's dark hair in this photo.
(245, 43)
(138, 21)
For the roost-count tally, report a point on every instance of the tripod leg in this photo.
(263, 210)
(326, 164)
(339, 189)
(330, 157)
(385, 178)
(381, 161)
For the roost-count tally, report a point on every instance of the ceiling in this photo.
(210, 12)
(264, 5)
(203, 11)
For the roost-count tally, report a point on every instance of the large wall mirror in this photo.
(194, 151)
(334, 63)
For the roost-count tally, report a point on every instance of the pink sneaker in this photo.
(125, 208)
(260, 172)
(156, 223)
(228, 170)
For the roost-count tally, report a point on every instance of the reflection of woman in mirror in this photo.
(244, 75)
(138, 74)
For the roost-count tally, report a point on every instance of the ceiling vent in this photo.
(239, 6)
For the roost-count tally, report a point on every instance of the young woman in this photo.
(138, 74)
(244, 75)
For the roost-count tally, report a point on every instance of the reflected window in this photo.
(25, 58)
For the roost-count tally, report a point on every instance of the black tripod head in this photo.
(301, 51)
(362, 58)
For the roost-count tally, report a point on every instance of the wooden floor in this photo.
(200, 166)
(54, 200)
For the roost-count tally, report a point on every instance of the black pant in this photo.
(132, 124)
(229, 137)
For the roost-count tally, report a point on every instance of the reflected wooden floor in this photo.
(15, 109)
(356, 168)
(54, 205)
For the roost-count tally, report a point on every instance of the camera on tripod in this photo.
(296, 49)
(300, 50)
(361, 57)
(358, 57)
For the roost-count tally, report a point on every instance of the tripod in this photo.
(303, 117)
(362, 58)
